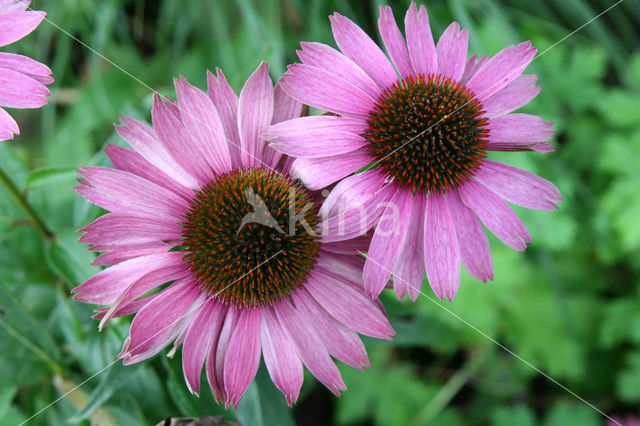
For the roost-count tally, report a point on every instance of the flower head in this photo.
(202, 203)
(22, 80)
(422, 131)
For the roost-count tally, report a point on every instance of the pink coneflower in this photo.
(424, 129)
(629, 420)
(203, 203)
(22, 80)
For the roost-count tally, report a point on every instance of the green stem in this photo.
(449, 390)
(55, 367)
(25, 206)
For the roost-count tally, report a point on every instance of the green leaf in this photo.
(25, 344)
(188, 404)
(572, 414)
(388, 393)
(6, 396)
(49, 175)
(513, 416)
(17, 318)
(70, 259)
(114, 378)
(620, 108)
(621, 323)
(263, 404)
(61, 263)
(627, 384)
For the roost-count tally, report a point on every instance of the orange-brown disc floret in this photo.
(428, 133)
(242, 241)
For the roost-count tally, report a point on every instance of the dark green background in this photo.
(569, 305)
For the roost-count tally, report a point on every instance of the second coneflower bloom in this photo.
(422, 132)
(202, 205)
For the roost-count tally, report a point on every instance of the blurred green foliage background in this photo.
(569, 305)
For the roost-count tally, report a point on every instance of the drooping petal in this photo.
(542, 147)
(518, 128)
(104, 287)
(219, 341)
(119, 253)
(120, 191)
(352, 308)
(351, 192)
(144, 284)
(316, 136)
(198, 341)
(359, 47)
(124, 228)
(255, 112)
(158, 317)
(309, 346)
(216, 356)
(175, 335)
(409, 268)
(17, 24)
(452, 52)
(348, 269)
(322, 56)
(226, 103)
(144, 141)
(25, 65)
(298, 129)
(350, 247)
(280, 356)
(472, 66)
(285, 108)
(394, 42)
(422, 49)
(19, 90)
(132, 162)
(173, 135)
(7, 6)
(387, 242)
(519, 186)
(495, 214)
(242, 358)
(8, 126)
(501, 70)
(441, 251)
(125, 309)
(317, 173)
(516, 94)
(321, 89)
(358, 220)
(341, 342)
(204, 128)
(475, 252)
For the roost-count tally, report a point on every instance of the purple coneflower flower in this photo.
(22, 80)
(629, 420)
(424, 129)
(204, 203)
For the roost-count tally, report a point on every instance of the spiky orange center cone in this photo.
(242, 240)
(427, 133)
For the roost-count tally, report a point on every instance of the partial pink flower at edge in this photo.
(23, 80)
